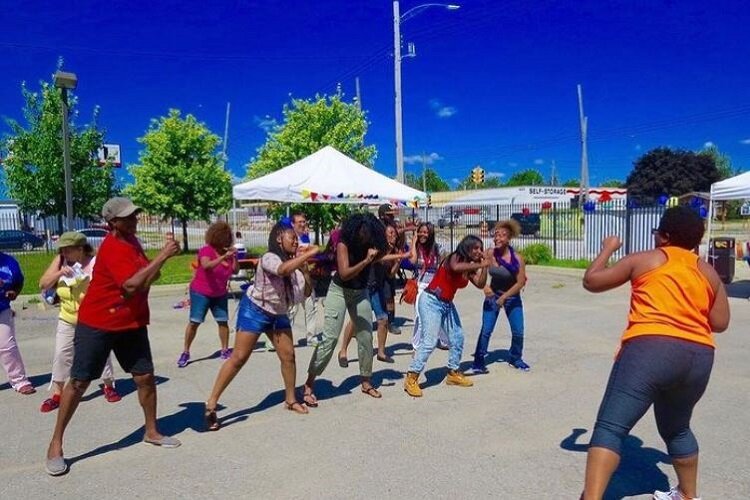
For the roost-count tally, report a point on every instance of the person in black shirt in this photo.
(362, 243)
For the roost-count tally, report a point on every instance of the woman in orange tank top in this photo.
(666, 356)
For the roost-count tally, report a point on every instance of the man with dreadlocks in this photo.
(280, 283)
(362, 243)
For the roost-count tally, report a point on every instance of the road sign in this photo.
(109, 154)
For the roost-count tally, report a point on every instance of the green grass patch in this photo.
(33, 264)
(569, 263)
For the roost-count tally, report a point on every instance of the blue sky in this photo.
(493, 83)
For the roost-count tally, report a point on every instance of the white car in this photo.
(94, 236)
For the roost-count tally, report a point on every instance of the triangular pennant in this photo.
(305, 193)
(340, 195)
(313, 196)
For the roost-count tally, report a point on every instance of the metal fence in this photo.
(568, 231)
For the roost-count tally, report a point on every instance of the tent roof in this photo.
(734, 188)
(326, 176)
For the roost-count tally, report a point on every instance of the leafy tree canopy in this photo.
(432, 182)
(528, 177)
(308, 126)
(671, 172)
(180, 174)
(33, 157)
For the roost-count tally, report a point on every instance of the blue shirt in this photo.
(11, 278)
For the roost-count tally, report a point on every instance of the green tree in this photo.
(180, 174)
(613, 183)
(33, 152)
(723, 162)
(489, 183)
(432, 182)
(308, 126)
(528, 177)
(571, 183)
(671, 172)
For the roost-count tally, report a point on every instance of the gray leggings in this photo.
(669, 373)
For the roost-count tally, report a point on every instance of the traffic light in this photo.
(429, 200)
(477, 175)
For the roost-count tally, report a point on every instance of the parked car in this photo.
(94, 236)
(15, 239)
(531, 223)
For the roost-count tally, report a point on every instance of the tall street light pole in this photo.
(398, 18)
(65, 81)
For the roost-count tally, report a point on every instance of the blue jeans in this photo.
(434, 315)
(513, 307)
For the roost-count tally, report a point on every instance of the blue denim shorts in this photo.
(252, 319)
(200, 304)
(377, 301)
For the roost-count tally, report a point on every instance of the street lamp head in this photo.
(65, 80)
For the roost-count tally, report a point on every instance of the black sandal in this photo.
(212, 421)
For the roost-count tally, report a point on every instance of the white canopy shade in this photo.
(734, 188)
(327, 176)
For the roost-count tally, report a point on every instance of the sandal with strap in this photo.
(296, 407)
(372, 392)
(27, 390)
(309, 399)
(212, 421)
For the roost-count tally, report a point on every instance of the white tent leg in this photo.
(710, 223)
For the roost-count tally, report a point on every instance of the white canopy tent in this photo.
(734, 188)
(328, 176)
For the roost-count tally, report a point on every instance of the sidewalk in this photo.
(512, 435)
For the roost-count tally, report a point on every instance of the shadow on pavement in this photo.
(36, 381)
(739, 289)
(124, 387)
(638, 473)
(496, 356)
(190, 417)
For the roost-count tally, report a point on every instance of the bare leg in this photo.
(382, 336)
(190, 330)
(687, 475)
(244, 343)
(146, 385)
(57, 388)
(348, 335)
(224, 335)
(284, 344)
(71, 396)
(601, 463)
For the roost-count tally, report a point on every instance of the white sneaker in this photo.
(672, 494)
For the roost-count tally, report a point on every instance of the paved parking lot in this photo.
(512, 435)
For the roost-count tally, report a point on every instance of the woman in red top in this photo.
(436, 310)
(667, 351)
(113, 317)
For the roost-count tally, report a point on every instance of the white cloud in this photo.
(745, 141)
(538, 161)
(266, 123)
(708, 144)
(446, 112)
(494, 174)
(442, 111)
(417, 159)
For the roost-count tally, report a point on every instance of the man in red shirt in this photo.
(113, 316)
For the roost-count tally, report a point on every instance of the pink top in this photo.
(212, 282)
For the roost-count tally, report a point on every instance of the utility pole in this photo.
(553, 175)
(359, 97)
(584, 120)
(226, 135)
(397, 85)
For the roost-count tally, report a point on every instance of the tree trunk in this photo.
(59, 224)
(184, 236)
